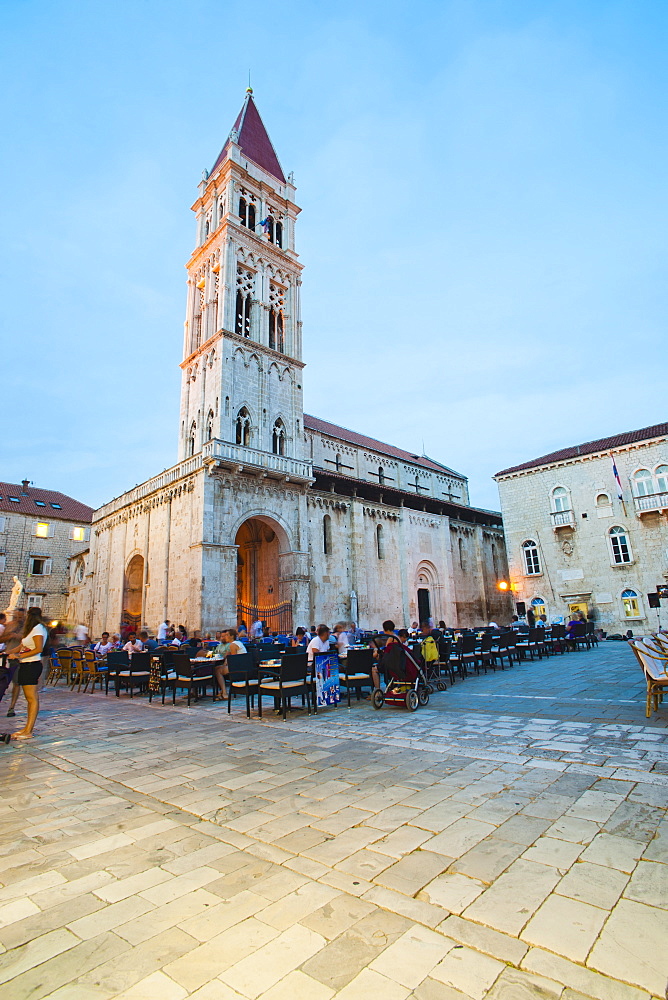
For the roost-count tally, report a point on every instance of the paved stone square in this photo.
(509, 841)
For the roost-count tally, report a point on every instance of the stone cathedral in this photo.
(270, 512)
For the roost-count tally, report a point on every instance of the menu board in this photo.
(327, 679)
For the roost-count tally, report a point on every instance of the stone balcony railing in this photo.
(563, 519)
(654, 502)
(226, 455)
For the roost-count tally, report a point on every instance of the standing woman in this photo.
(29, 655)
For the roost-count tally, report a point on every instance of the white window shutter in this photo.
(3, 563)
(87, 535)
(52, 530)
(47, 567)
(34, 528)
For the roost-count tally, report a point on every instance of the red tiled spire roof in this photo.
(253, 140)
(591, 448)
(43, 503)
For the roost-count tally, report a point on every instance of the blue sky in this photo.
(484, 222)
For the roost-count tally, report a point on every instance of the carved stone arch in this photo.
(240, 355)
(287, 372)
(272, 519)
(254, 357)
(273, 370)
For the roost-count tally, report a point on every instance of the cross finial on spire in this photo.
(249, 89)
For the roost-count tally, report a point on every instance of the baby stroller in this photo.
(429, 649)
(407, 685)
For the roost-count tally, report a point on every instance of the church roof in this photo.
(591, 447)
(42, 503)
(253, 140)
(352, 437)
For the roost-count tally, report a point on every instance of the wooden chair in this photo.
(64, 657)
(78, 667)
(97, 671)
(654, 665)
(355, 671)
(444, 658)
(117, 659)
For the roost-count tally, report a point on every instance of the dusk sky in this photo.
(484, 220)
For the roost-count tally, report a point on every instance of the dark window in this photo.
(272, 328)
(327, 534)
(243, 211)
(251, 216)
(278, 438)
(243, 427)
(380, 542)
(279, 234)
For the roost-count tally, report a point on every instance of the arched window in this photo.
(381, 475)
(251, 216)
(227, 406)
(243, 427)
(561, 499)
(207, 228)
(531, 558)
(380, 541)
(619, 546)
(644, 483)
(631, 604)
(662, 479)
(243, 212)
(276, 330)
(339, 463)
(243, 316)
(538, 606)
(191, 439)
(278, 438)
(279, 333)
(603, 500)
(279, 235)
(462, 556)
(209, 426)
(269, 228)
(327, 534)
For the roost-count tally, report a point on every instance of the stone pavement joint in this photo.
(509, 841)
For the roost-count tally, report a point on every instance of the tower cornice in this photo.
(251, 345)
(247, 240)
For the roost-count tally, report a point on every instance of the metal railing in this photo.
(656, 501)
(563, 519)
(239, 454)
(278, 616)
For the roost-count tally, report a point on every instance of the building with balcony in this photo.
(43, 541)
(587, 527)
(270, 512)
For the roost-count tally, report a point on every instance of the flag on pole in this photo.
(616, 475)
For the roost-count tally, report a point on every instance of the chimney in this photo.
(25, 483)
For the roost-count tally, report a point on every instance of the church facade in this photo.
(270, 511)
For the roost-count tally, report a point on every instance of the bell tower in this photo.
(241, 395)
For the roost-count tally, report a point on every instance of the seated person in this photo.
(396, 659)
(319, 644)
(222, 669)
(133, 645)
(378, 644)
(342, 640)
(149, 644)
(299, 638)
(102, 647)
(242, 631)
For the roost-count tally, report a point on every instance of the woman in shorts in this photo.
(29, 655)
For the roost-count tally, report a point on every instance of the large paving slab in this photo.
(509, 840)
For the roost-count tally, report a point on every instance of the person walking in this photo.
(29, 655)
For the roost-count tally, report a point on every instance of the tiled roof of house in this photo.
(253, 140)
(352, 437)
(42, 503)
(591, 447)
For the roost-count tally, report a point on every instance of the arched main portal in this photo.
(260, 542)
(133, 585)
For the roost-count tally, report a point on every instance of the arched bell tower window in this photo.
(276, 306)
(278, 438)
(381, 475)
(247, 213)
(245, 281)
(279, 235)
(243, 427)
(327, 535)
(191, 439)
(209, 426)
(269, 228)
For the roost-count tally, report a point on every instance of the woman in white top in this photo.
(29, 653)
(221, 669)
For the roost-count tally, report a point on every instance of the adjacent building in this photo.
(271, 512)
(587, 527)
(43, 540)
